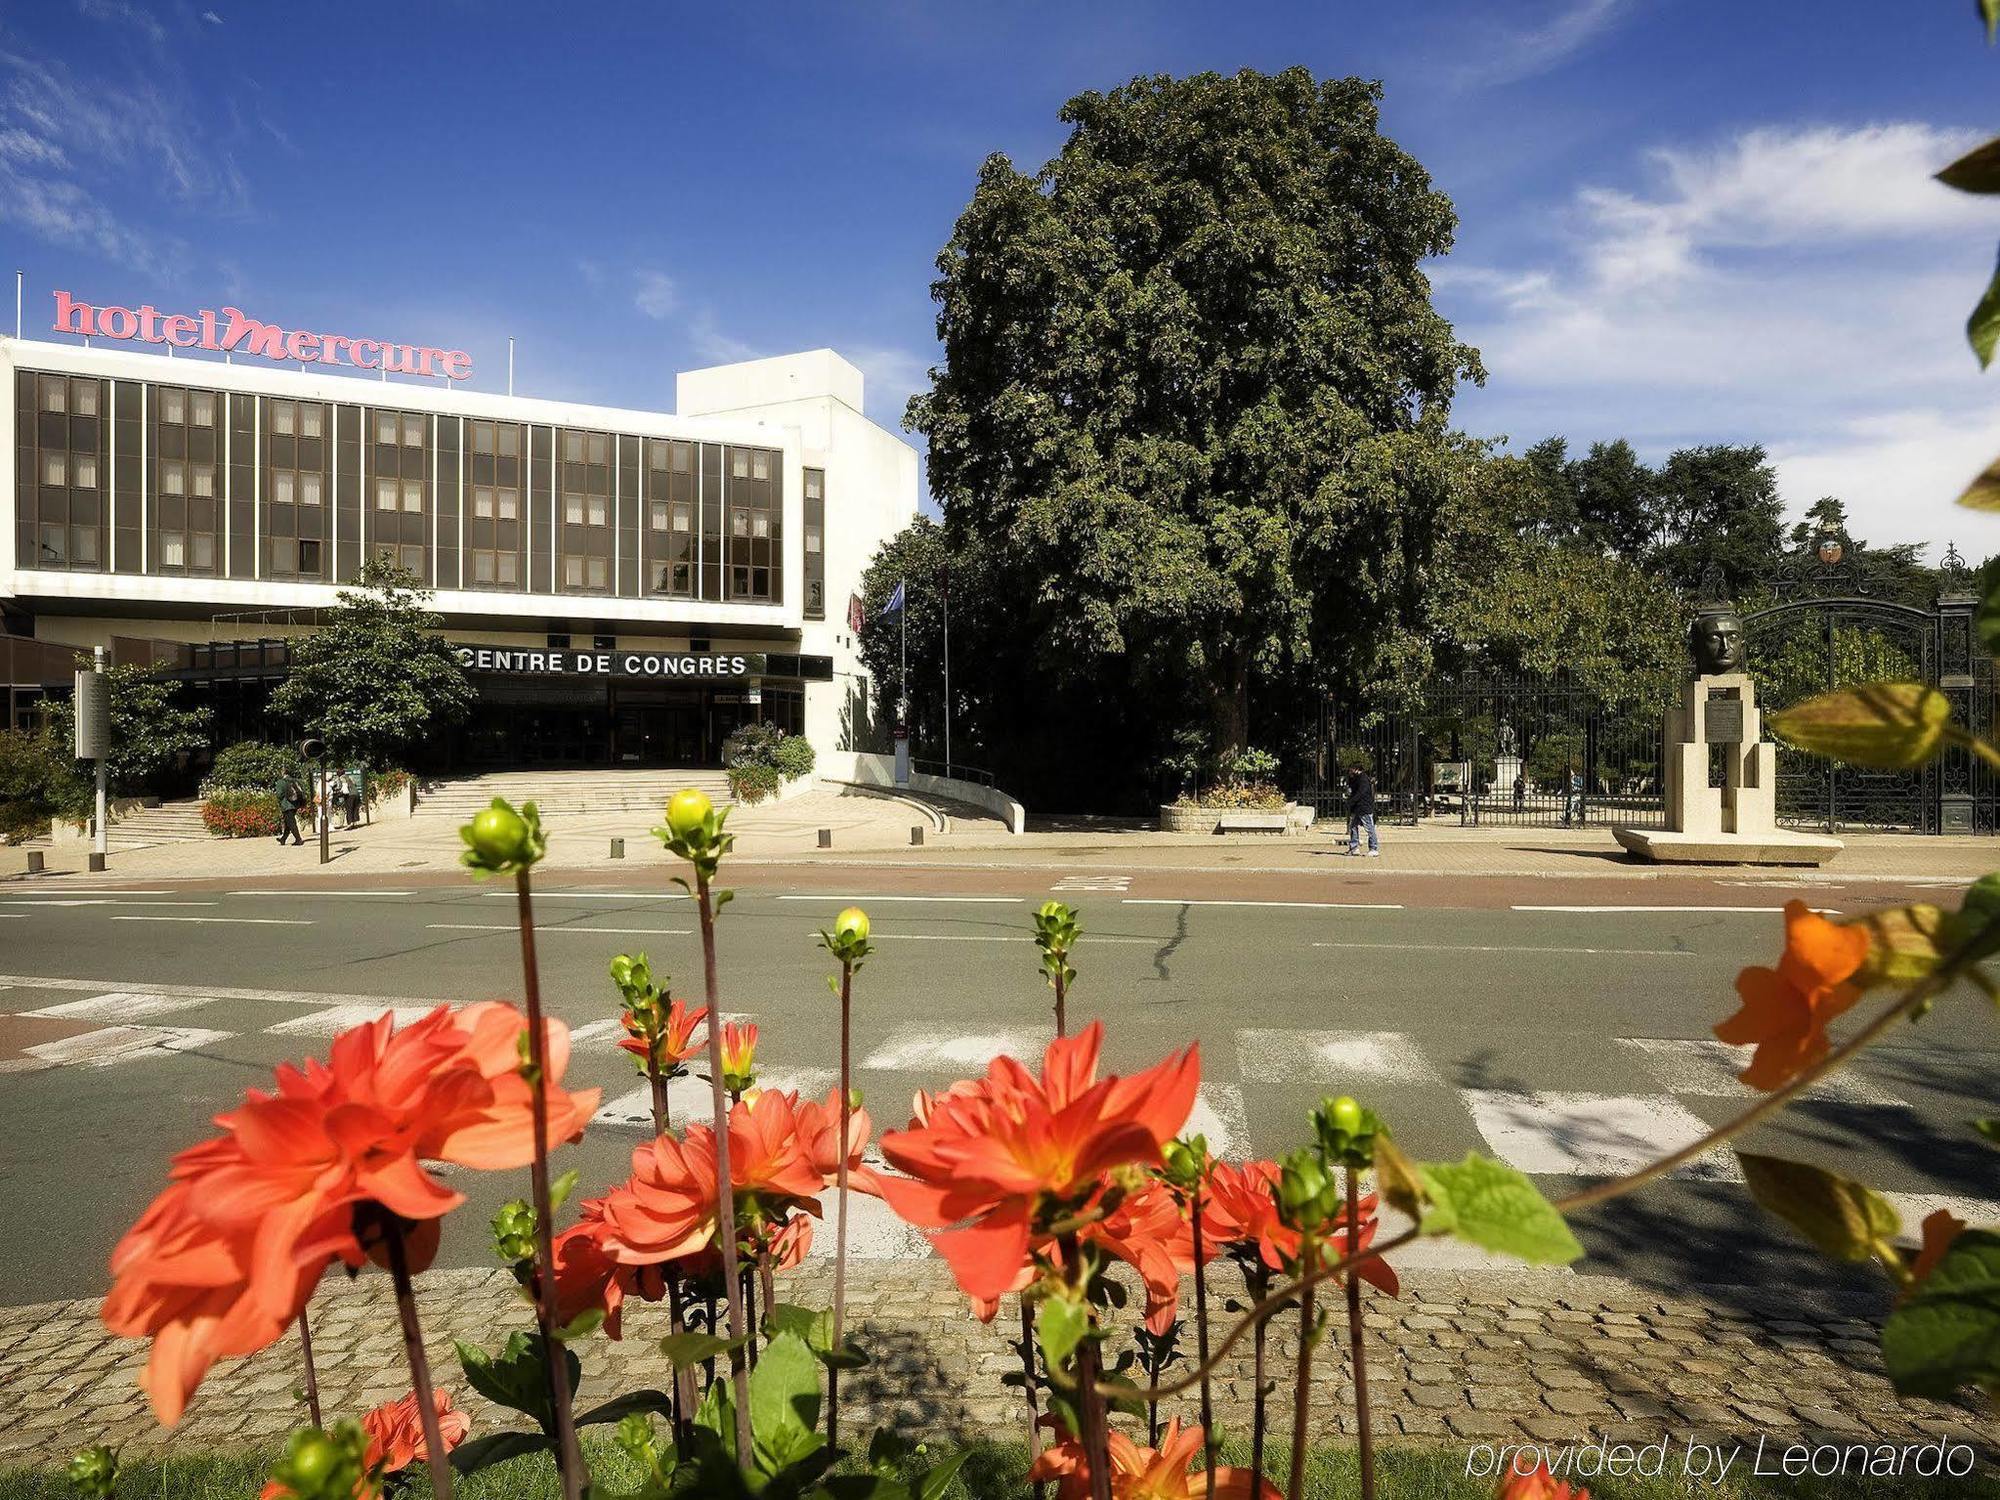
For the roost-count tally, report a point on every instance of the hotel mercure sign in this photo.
(232, 331)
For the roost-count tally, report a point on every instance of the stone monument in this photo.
(1735, 823)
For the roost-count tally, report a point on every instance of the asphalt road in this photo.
(1563, 1024)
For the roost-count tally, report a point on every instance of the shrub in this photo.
(387, 785)
(1257, 796)
(239, 814)
(1250, 765)
(252, 766)
(752, 783)
(1349, 756)
(793, 756)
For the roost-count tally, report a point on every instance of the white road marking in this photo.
(328, 895)
(597, 1031)
(120, 1044)
(917, 1049)
(1739, 910)
(873, 1231)
(1707, 1070)
(691, 1098)
(880, 900)
(1093, 883)
(122, 1005)
(1298, 905)
(100, 890)
(232, 921)
(1513, 948)
(1218, 1117)
(1333, 1057)
(18, 915)
(1590, 1135)
(541, 930)
(213, 992)
(1021, 937)
(594, 895)
(106, 901)
(339, 1018)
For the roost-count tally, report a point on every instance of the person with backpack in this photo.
(1361, 812)
(289, 797)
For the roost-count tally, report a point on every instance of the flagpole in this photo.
(903, 683)
(947, 674)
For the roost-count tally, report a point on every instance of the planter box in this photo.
(1290, 819)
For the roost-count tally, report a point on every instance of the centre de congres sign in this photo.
(662, 664)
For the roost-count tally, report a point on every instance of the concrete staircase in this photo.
(169, 823)
(568, 792)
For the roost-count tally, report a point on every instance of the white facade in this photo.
(804, 411)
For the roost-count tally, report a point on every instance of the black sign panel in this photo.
(1724, 719)
(668, 666)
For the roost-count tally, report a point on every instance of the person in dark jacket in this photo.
(1361, 812)
(286, 790)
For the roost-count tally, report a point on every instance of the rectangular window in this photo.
(482, 567)
(573, 572)
(573, 447)
(683, 519)
(55, 468)
(510, 440)
(173, 406)
(385, 427)
(85, 475)
(283, 418)
(739, 463)
(482, 437)
(204, 478)
(413, 431)
(510, 504)
(600, 511)
(173, 477)
(659, 515)
(760, 524)
(204, 409)
(83, 539)
(309, 419)
(507, 566)
(600, 448)
(385, 494)
(739, 582)
(812, 541)
(739, 523)
(284, 556)
(815, 484)
(173, 550)
(282, 487)
(55, 393)
(204, 550)
(55, 546)
(597, 572)
(656, 454)
(683, 458)
(85, 396)
(309, 489)
(309, 557)
(573, 509)
(482, 503)
(760, 466)
(413, 496)
(413, 559)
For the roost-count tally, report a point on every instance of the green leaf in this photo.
(1982, 329)
(1489, 1204)
(1887, 725)
(684, 1350)
(1060, 1326)
(517, 1377)
(1840, 1216)
(582, 1326)
(1988, 1127)
(1947, 1335)
(1396, 1177)
(784, 1404)
(1989, 12)
(1984, 492)
(812, 1325)
(562, 1187)
(497, 1448)
(934, 1481)
(1978, 171)
(620, 1407)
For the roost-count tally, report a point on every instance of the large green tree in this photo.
(1721, 523)
(376, 679)
(907, 646)
(155, 732)
(1192, 409)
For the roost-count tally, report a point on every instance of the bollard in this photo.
(96, 863)
(618, 848)
(35, 862)
(916, 835)
(826, 838)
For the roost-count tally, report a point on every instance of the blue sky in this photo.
(1681, 220)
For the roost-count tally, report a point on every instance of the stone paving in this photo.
(1459, 1357)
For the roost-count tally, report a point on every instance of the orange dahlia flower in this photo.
(676, 1042)
(819, 1128)
(1786, 1010)
(739, 1054)
(396, 1430)
(1537, 1484)
(1007, 1156)
(226, 1257)
(1246, 1211)
(1172, 1471)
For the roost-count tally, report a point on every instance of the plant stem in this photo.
(840, 1206)
(1263, 1281)
(750, 1311)
(1201, 1342)
(726, 1227)
(1062, 994)
(1366, 1442)
(1302, 1391)
(312, 1375)
(683, 1374)
(569, 1457)
(659, 1086)
(413, 1350)
(1028, 1390)
(1092, 1420)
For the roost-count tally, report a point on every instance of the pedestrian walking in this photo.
(1361, 812)
(357, 791)
(1520, 792)
(289, 796)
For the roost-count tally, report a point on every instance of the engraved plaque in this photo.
(1724, 721)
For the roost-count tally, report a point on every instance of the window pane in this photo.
(204, 479)
(683, 518)
(173, 478)
(482, 503)
(507, 567)
(510, 505)
(760, 466)
(600, 513)
(598, 572)
(600, 448)
(739, 464)
(173, 552)
(309, 419)
(573, 509)
(55, 393)
(309, 493)
(573, 571)
(172, 407)
(413, 559)
(282, 413)
(812, 539)
(656, 454)
(760, 524)
(482, 567)
(282, 487)
(55, 545)
(683, 457)
(385, 427)
(385, 494)
(739, 523)
(413, 431)
(85, 394)
(482, 437)
(573, 447)
(413, 495)
(510, 440)
(84, 540)
(659, 515)
(308, 557)
(815, 483)
(204, 550)
(55, 468)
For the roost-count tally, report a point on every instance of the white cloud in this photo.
(656, 296)
(1803, 288)
(890, 377)
(709, 342)
(124, 16)
(1511, 54)
(211, 17)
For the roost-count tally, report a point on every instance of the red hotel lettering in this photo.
(240, 333)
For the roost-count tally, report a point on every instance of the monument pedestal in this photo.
(1734, 823)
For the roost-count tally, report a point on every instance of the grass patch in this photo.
(996, 1471)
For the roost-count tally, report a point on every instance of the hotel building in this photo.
(625, 587)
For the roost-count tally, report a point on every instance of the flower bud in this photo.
(93, 1473)
(1346, 1114)
(739, 1055)
(687, 811)
(499, 835)
(514, 1232)
(851, 926)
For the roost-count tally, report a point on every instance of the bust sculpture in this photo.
(1715, 640)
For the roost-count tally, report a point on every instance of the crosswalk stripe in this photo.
(1295, 905)
(228, 921)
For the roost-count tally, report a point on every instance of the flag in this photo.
(895, 601)
(855, 618)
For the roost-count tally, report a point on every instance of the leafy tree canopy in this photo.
(153, 731)
(376, 679)
(1193, 401)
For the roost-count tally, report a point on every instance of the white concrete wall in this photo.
(863, 769)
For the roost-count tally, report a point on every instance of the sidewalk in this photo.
(1487, 1355)
(877, 828)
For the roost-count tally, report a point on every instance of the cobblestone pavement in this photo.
(1459, 1356)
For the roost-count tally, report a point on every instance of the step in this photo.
(566, 792)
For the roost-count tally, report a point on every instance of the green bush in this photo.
(252, 765)
(38, 781)
(752, 783)
(793, 756)
(1250, 765)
